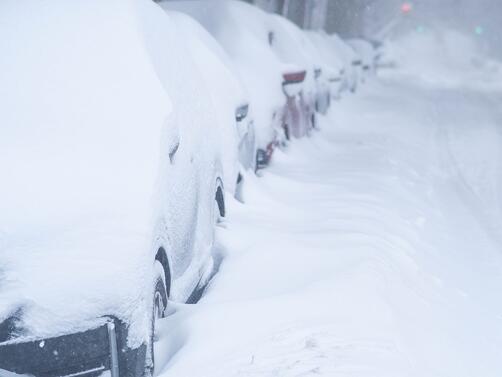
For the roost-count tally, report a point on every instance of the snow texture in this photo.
(243, 32)
(111, 131)
(370, 249)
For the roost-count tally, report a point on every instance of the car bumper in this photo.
(92, 353)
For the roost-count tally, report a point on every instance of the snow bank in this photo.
(376, 257)
(369, 262)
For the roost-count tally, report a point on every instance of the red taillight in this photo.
(294, 77)
(406, 7)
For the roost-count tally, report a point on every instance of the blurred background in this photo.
(378, 19)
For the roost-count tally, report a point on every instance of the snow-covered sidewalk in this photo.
(370, 249)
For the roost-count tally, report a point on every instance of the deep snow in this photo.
(371, 249)
(94, 97)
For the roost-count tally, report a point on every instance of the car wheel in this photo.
(158, 309)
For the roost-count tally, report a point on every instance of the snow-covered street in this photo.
(250, 188)
(372, 248)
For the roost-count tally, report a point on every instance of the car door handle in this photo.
(173, 151)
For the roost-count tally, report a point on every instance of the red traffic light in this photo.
(406, 7)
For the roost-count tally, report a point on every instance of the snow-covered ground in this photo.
(372, 248)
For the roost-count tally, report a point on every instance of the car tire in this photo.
(160, 298)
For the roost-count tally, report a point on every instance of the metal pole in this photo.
(114, 357)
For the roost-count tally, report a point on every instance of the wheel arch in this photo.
(220, 197)
(162, 258)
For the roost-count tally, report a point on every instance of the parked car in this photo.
(294, 49)
(295, 120)
(234, 126)
(332, 61)
(113, 179)
(367, 53)
(352, 62)
(247, 139)
(383, 54)
(242, 30)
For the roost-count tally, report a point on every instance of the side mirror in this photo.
(242, 112)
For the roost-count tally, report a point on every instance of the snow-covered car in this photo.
(383, 54)
(242, 30)
(293, 47)
(367, 54)
(234, 124)
(247, 139)
(113, 181)
(333, 63)
(295, 120)
(351, 60)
